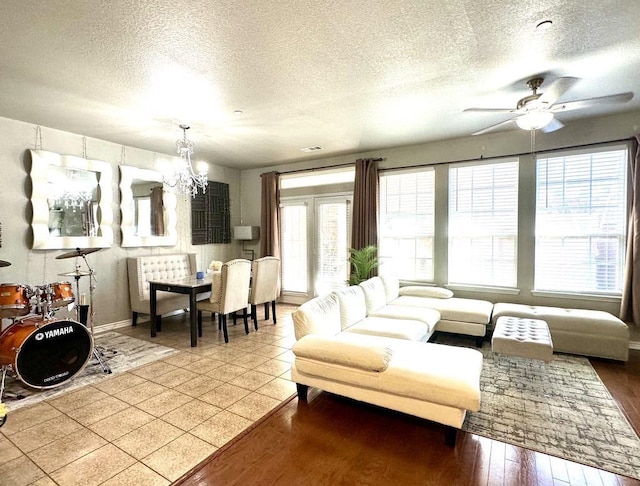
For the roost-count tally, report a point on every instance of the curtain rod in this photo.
(350, 164)
(324, 167)
(476, 159)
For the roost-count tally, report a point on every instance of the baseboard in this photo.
(110, 326)
(634, 345)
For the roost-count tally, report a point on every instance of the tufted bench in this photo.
(142, 269)
(527, 338)
(575, 331)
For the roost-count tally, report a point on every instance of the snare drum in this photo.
(45, 353)
(14, 300)
(61, 294)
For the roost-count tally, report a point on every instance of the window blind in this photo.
(293, 220)
(483, 223)
(406, 226)
(581, 221)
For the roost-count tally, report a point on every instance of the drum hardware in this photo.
(77, 252)
(3, 408)
(98, 352)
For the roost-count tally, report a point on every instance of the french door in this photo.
(315, 237)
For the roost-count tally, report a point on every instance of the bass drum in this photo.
(45, 353)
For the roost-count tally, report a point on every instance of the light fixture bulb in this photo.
(534, 120)
(183, 178)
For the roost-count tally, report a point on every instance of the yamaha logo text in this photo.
(54, 333)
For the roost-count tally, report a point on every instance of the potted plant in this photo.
(363, 262)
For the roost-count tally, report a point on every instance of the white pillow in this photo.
(426, 291)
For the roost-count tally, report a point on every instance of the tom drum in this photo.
(61, 294)
(45, 353)
(14, 300)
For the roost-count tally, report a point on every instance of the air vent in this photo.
(312, 149)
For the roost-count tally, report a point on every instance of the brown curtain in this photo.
(364, 226)
(630, 307)
(270, 215)
(157, 211)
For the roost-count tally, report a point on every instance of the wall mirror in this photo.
(71, 199)
(148, 210)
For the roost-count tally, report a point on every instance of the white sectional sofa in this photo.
(382, 359)
(457, 315)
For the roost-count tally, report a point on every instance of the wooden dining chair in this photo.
(229, 293)
(265, 287)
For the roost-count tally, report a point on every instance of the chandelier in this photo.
(183, 178)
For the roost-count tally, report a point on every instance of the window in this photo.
(293, 220)
(581, 221)
(407, 223)
(483, 223)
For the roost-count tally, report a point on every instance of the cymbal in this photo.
(77, 252)
(78, 273)
(4, 263)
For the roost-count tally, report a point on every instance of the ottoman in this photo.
(527, 338)
(576, 331)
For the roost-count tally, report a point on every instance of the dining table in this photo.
(191, 286)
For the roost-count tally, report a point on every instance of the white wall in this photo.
(38, 267)
(511, 142)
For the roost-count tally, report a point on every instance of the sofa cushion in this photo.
(411, 330)
(428, 316)
(345, 351)
(391, 285)
(320, 315)
(374, 294)
(426, 291)
(453, 309)
(352, 305)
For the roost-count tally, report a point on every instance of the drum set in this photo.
(41, 350)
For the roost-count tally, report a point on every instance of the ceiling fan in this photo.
(537, 110)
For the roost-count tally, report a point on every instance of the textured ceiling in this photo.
(349, 76)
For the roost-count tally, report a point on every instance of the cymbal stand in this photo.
(97, 351)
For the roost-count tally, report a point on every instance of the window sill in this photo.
(575, 296)
(486, 290)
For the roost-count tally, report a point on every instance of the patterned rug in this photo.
(121, 353)
(560, 408)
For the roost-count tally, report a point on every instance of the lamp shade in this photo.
(246, 232)
(534, 120)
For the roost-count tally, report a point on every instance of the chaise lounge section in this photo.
(431, 381)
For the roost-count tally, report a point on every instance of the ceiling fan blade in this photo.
(579, 104)
(494, 127)
(552, 126)
(490, 110)
(556, 89)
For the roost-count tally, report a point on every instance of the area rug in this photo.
(121, 353)
(560, 408)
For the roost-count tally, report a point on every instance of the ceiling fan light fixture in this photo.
(534, 120)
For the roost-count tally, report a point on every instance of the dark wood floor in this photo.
(332, 440)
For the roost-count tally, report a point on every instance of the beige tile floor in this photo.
(152, 424)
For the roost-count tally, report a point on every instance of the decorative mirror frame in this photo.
(41, 160)
(129, 238)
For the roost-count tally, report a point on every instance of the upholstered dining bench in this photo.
(143, 269)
